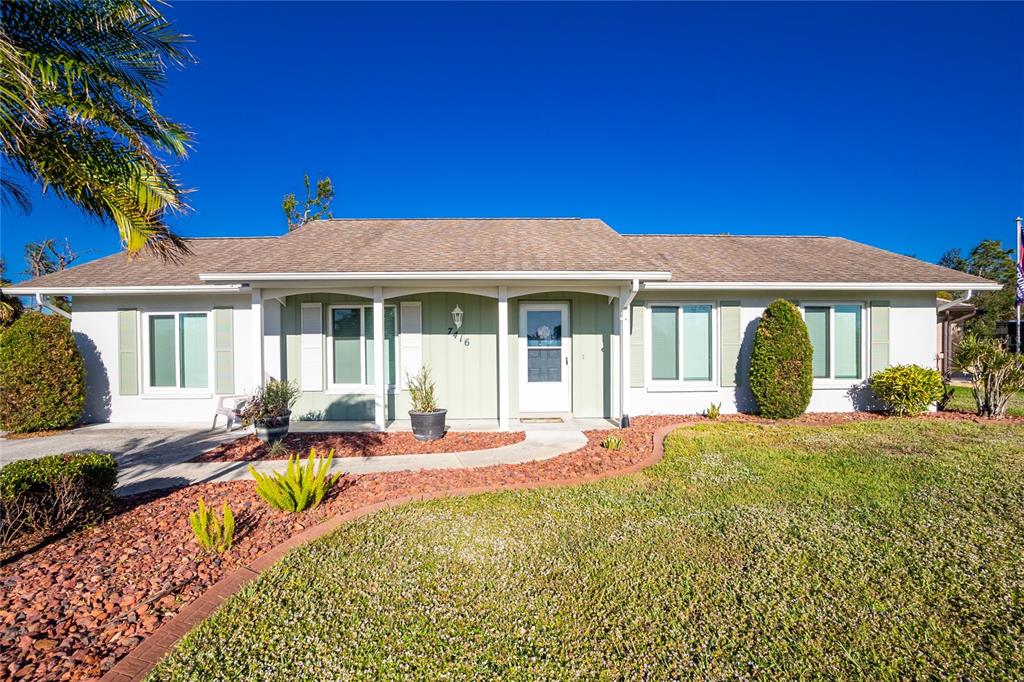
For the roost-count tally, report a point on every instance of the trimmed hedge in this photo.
(52, 494)
(781, 370)
(42, 377)
(907, 389)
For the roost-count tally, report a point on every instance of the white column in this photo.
(624, 325)
(272, 338)
(381, 388)
(504, 400)
(257, 339)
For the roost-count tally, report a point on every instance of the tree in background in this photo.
(313, 207)
(990, 260)
(44, 257)
(10, 306)
(77, 112)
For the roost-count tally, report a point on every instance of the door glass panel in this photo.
(664, 343)
(817, 328)
(847, 341)
(543, 328)
(345, 338)
(194, 356)
(161, 350)
(697, 343)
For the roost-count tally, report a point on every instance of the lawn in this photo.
(963, 399)
(881, 549)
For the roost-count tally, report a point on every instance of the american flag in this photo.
(1020, 265)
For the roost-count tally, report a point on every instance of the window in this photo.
(837, 335)
(352, 345)
(681, 347)
(179, 355)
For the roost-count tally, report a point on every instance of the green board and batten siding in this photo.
(466, 375)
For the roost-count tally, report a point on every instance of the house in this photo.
(515, 317)
(952, 316)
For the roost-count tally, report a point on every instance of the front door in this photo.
(545, 349)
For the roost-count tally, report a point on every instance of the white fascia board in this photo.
(499, 275)
(82, 291)
(813, 286)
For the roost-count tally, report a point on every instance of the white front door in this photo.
(545, 349)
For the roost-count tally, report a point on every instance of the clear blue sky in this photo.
(898, 125)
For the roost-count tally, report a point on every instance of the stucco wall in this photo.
(95, 327)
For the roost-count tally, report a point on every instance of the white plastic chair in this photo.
(230, 408)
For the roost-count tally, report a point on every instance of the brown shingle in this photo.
(731, 258)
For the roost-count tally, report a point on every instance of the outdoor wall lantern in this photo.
(457, 317)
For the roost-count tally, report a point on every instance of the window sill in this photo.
(357, 390)
(835, 384)
(683, 387)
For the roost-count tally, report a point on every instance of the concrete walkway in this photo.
(154, 456)
(538, 445)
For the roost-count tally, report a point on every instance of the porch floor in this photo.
(567, 424)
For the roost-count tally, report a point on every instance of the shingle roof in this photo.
(732, 258)
(514, 244)
(447, 244)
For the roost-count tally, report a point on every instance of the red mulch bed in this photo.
(370, 444)
(34, 434)
(71, 609)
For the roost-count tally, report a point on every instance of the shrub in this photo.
(421, 391)
(42, 378)
(996, 373)
(213, 534)
(781, 362)
(269, 402)
(54, 494)
(907, 389)
(612, 443)
(714, 411)
(298, 488)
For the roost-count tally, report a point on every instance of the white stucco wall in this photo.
(911, 340)
(94, 324)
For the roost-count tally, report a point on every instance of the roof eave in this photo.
(498, 275)
(130, 290)
(808, 286)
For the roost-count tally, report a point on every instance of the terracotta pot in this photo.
(428, 425)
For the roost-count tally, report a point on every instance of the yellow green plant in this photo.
(714, 411)
(300, 487)
(213, 534)
(612, 443)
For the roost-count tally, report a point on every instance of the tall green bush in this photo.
(996, 373)
(781, 372)
(42, 377)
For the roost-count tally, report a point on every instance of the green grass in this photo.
(889, 549)
(963, 399)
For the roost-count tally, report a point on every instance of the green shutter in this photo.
(128, 352)
(730, 341)
(879, 335)
(223, 350)
(636, 345)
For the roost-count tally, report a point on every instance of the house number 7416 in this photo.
(454, 333)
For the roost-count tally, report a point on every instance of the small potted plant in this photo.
(427, 419)
(270, 410)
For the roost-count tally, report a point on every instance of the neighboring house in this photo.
(514, 317)
(952, 315)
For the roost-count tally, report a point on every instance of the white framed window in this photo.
(177, 352)
(839, 334)
(350, 347)
(682, 351)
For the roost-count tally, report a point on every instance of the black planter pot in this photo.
(273, 430)
(428, 425)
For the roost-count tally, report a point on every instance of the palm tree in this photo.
(77, 113)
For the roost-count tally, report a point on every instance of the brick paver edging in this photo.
(140, 660)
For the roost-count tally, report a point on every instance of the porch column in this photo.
(272, 338)
(503, 387)
(381, 387)
(625, 302)
(256, 315)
